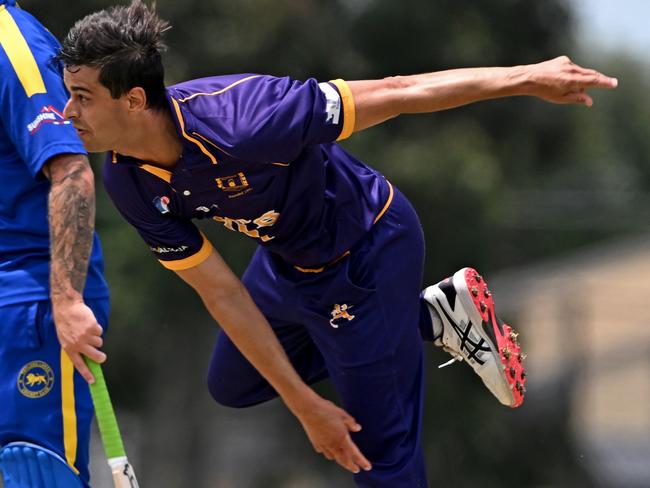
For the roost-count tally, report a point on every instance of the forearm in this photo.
(71, 208)
(251, 333)
(557, 81)
(380, 100)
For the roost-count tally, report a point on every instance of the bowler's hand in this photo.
(328, 428)
(79, 333)
(561, 81)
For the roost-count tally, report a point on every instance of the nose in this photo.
(69, 111)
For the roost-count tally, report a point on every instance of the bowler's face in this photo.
(100, 120)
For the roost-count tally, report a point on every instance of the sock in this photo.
(430, 322)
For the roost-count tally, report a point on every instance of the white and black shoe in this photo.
(472, 332)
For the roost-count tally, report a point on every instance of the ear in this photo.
(136, 99)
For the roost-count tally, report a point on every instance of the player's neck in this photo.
(154, 139)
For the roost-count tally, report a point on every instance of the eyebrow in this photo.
(74, 88)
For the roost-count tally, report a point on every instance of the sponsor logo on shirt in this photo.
(332, 103)
(251, 228)
(35, 379)
(162, 204)
(340, 311)
(165, 250)
(47, 115)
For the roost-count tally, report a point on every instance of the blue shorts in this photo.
(358, 323)
(43, 399)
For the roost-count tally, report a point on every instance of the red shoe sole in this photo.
(512, 359)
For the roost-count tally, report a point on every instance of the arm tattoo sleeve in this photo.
(72, 217)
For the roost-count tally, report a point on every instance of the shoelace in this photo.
(456, 358)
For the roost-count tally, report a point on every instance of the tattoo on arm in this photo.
(72, 217)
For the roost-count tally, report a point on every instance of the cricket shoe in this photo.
(472, 332)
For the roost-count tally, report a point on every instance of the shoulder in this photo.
(223, 96)
(27, 50)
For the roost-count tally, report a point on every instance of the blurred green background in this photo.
(499, 185)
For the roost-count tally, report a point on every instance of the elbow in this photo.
(71, 168)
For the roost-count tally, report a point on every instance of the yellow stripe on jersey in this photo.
(19, 54)
(220, 91)
(212, 143)
(161, 173)
(68, 410)
(349, 114)
(388, 202)
(192, 261)
(198, 143)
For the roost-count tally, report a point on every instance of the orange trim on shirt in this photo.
(388, 202)
(161, 173)
(192, 261)
(186, 136)
(349, 111)
(220, 91)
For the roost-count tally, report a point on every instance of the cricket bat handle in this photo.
(123, 475)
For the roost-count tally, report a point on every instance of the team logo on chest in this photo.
(36, 379)
(234, 183)
(340, 311)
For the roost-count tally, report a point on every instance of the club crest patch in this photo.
(340, 311)
(234, 183)
(36, 379)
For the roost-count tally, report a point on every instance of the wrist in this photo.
(65, 298)
(301, 400)
(518, 80)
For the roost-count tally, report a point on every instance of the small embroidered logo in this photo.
(35, 379)
(340, 312)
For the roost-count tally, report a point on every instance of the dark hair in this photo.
(125, 44)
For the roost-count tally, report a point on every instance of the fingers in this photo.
(347, 455)
(80, 365)
(596, 80)
(351, 424)
(354, 456)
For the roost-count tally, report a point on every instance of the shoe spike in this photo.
(478, 278)
(513, 372)
(513, 335)
(524, 374)
(483, 306)
(487, 293)
(506, 353)
(521, 357)
(474, 291)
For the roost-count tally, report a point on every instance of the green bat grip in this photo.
(106, 420)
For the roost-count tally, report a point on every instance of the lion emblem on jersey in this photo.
(35, 379)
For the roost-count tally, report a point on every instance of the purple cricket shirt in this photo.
(258, 157)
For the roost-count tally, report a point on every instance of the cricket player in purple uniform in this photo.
(333, 290)
(47, 249)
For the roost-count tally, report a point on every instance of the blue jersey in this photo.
(32, 130)
(259, 157)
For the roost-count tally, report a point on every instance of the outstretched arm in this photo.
(71, 209)
(327, 426)
(558, 80)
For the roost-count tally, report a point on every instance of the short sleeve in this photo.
(176, 243)
(32, 94)
(269, 119)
